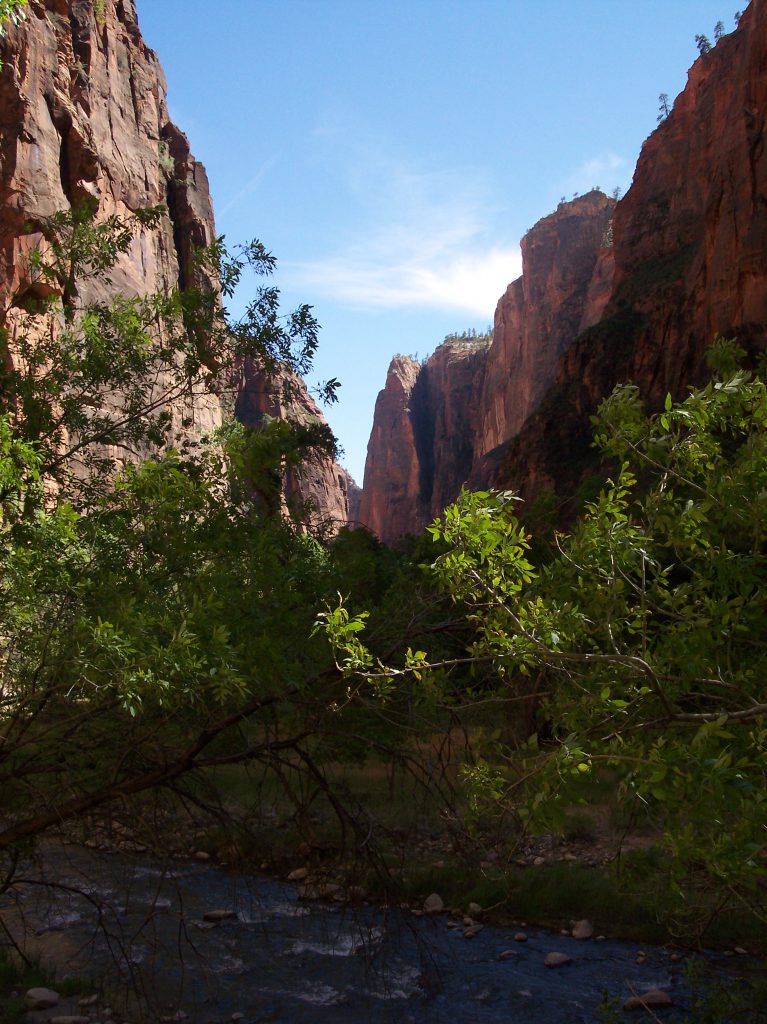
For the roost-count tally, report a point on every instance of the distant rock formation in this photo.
(435, 424)
(323, 490)
(83, 116)
(609, 292)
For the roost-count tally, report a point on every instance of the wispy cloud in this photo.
(249, 187)
(472, 283)
(426, 238)
(606, 169)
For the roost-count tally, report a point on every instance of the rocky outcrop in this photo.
(611, 292)
(83, 117)
(422, 446)
(318, 491)
(541, 313)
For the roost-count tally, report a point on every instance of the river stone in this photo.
(557, 959)
(507, 954)
(41, 998)
(298, 875)
(88, 1000)
(330, 891)
(583, 929)
(472, 930)
(520, 937)
(219, 915)
(433, 904)
(655, 997)
(474, 910)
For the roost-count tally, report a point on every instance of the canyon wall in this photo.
(318, 490)
(422, 445)
(690, 262)
(441, 424)
(83, 117)
(684, 259)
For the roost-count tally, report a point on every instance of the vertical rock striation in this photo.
(390, 493)
(541, 313)
(690, 261)
(611, 292)
(441, 425)
(83, 117)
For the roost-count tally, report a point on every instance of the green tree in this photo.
(13, 11)
(703, 43)
(91, 385)
(647, 625)
(149, 607)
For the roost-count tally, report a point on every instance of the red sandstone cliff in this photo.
(320, 491)
(390, 491)
(688, 260)
(83, 116)
(541, 313)
(690, 255)
(433, 435)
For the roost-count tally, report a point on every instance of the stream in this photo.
(140, 923)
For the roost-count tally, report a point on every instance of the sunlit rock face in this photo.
(541, 313)
(389, 503)
(83, 117)
(610, 292)
(690, 261)
(435, 424)
(422, 444)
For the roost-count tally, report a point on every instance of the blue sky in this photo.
(391, 153)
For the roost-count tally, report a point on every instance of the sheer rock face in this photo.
(435, 433)
(391, 487)
(541, 313)
(328, 494)
(688, 261)
(83, 116)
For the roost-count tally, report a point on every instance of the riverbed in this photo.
(140, 924)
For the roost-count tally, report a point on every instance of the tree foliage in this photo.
(646, 625)
(94, 383)
(148, 606)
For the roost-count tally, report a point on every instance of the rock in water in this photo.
(433, 904)
(655, 997)
(583, 929)
(41, 998)
(557, 959)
